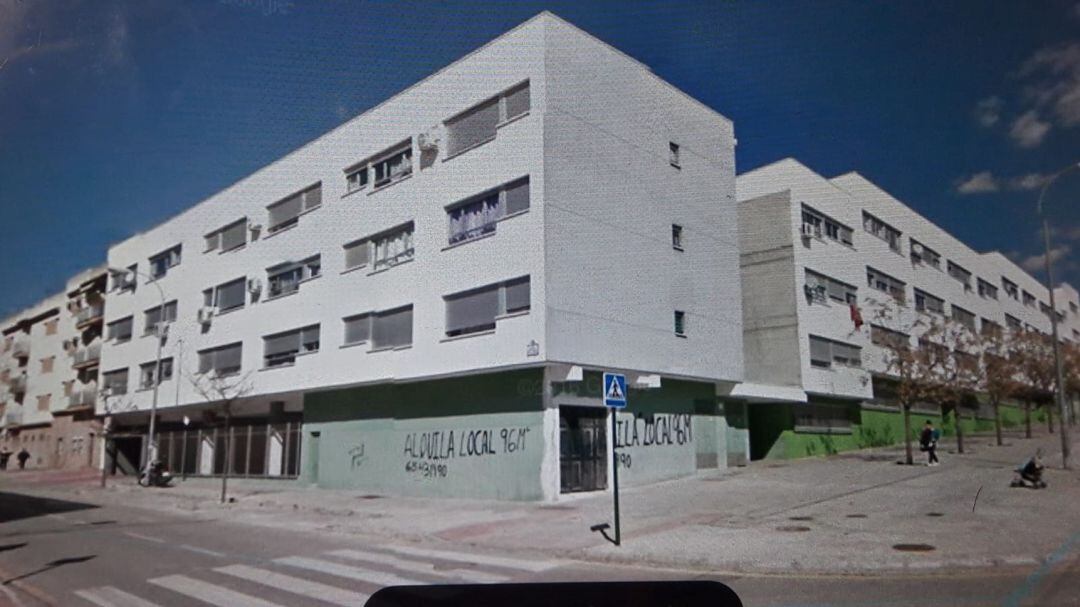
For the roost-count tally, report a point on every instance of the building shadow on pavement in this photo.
(16, 506)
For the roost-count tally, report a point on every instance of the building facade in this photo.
(49, 381)
(820, 259)
(421, 301)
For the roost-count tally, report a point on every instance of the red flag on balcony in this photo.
(856, 316)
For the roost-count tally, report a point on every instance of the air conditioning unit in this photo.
(205, 314)
(254, 227)
(916, 248)
(254, 286)
(429, 141)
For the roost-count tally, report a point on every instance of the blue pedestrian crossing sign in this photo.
(614, 390)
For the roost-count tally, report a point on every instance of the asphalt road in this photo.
(67, 553)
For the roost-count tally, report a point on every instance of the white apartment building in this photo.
(421, 301)
(814, 247)
(48, 389)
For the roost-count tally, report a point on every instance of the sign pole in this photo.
(615, 477)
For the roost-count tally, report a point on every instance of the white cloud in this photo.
(988, 111)
(1028, 130)
(1036, 263)
(980, 183)
(1031, 181)
(1053, 75)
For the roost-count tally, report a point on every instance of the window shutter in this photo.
(517, 295)
(517, 101)
(279, 344)
(234, 236)
(392, 329)
(473, 127)
(820, 350)
(309, 338)
(473, 310)
(285, 211)
(212, 241)
(313, 197)
(206, 361)
(231, 295)
(517, 197)
(228, 359)
(357, 254)
(153, 316)
(357, 329)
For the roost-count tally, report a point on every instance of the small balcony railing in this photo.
(87, 356)
(89, 315)
(82, 398)
(13, 418)
(20, 347)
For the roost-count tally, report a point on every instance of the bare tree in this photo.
(1071, 353)
(948, 350)
(223, 392)
(1000, 376)
(1033, 355)
(908, 367)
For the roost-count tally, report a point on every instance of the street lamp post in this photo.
(159, 335)
(1062, 406)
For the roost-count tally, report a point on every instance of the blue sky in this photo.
(116, 115)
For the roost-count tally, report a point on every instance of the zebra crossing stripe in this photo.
(420, 566)
(209, 593)
(379, 578)
(107, 596)
(479, 559)
(295, 585)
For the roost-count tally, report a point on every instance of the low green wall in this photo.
(876, 428)
(479, 436)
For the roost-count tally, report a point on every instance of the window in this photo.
(963, 317)
(477, 310)
(1029, 300)
(888, 338)
(816, 223)
(286, 278)
(821, 288)
(478, 124)
(232, 236)
(676, 237)
(154, 315)
(285, 213)
(885, 283)
(115, 382)
(387, 249)
(990, 327)
(1073, 308)
(384, 168)
(283, 348)
(223, 360)
(1010, 288)
(47, 364)
(43, 402)
(882, 230)
(673, 154)
(938, 351)
(120, 330)
(477, 216)
(160, 263)
(817, 418)
(385, 330)
(925, 302)
(125, 281)
(1013, 323)
(680, 323)
(226, 296)
(922, 254)
(825, 353)
(357, 329)
(51, 326)
(986, 289)
(960, 274)
(392, 329)
(146, 373)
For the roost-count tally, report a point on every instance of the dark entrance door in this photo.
(582, 449)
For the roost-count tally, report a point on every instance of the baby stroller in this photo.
(1030, 474)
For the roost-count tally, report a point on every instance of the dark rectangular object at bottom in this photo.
(575, 594)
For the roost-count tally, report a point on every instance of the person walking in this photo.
(928, 442)
(23, 456)
(5, 455)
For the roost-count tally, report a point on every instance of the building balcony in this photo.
(86, 397)
(89, 315)
(17, 384)
(20, 348)
(87, 357)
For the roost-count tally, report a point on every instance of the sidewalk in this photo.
(840, 514)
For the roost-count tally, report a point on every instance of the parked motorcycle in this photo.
(157, 475)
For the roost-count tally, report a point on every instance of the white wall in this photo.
(611, 197)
